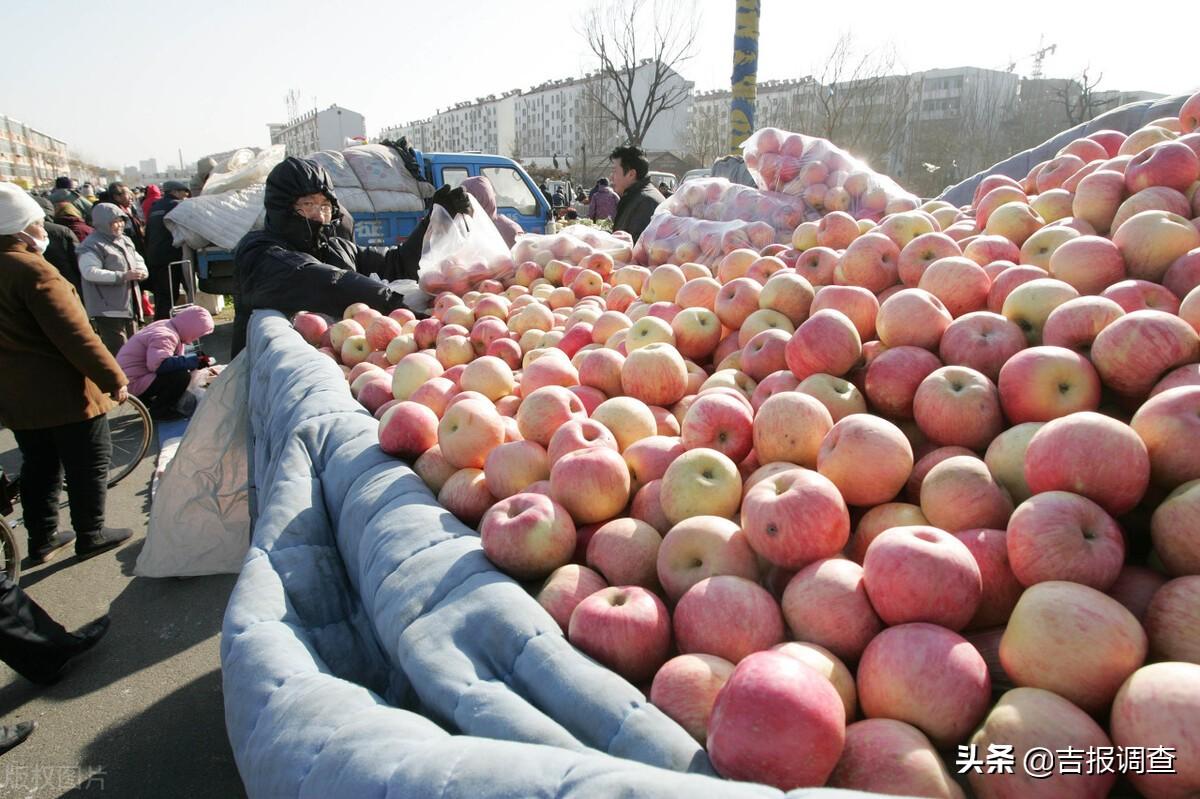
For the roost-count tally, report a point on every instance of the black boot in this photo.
(90, 545)
(43, 550)
(15, 734)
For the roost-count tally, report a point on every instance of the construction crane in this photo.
(1038, 56)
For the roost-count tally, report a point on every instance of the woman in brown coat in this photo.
(58, 383)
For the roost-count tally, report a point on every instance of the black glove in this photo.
(453, 200)
(204, 361)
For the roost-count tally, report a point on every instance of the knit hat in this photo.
(18, 210)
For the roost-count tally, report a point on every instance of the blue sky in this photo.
(204, 77)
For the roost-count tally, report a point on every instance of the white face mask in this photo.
(39, 244)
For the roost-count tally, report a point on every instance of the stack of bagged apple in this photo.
(937, 485)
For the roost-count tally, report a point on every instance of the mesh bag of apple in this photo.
(822, 175)
(829, 527)
(571, 246)
(670, 239)
(460, 252)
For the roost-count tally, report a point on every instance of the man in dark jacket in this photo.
(299, 262)
(639, 199)
(161, 252)
(64, 191)
(61, 250)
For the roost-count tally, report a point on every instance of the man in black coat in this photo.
(161, 251)
(61, 250)
(300, 262)
(639, 199)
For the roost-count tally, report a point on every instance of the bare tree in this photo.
(858, 101)
(637, 79)
(1078, 96)
(708, 130)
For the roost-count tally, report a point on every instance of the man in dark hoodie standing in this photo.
(299, 262)
(639, 198)
(161, 251)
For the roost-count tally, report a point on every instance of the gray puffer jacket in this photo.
(103, 261)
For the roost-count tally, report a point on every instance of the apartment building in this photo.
(31, 155)
(315, 130)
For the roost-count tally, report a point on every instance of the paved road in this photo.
(142, 712)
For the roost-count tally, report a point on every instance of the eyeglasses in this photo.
(310, 206)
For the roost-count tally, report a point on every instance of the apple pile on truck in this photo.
(935, 485)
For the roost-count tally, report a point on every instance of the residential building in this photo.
(318, 130)
(148, 166)
(30, 154)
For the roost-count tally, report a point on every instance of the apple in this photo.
(985, 250)
(700, 482)
(1072, 640)
(512, 467)
(719, 422)
(955, 405)
(880, 518)
(1063, 536)
(837, 230)
(1015, 221)
(912, 317)
(1055, 204)
(647, 507)
(1183, 274)
(1097, 198)
(1033, 719)
(1156, 198)
(1008, 279)
(1091, 455)
(817, 265)
(926, 676)
(1170, 164)
(1044, 383)
(1167, 424)
(736, 301)
(433, 468)
(922, 251)
(697, 331)
(545, 410)
(702, 547)
(727, 616)
(789, 426)
(412, 372)
(311, 327)
(654, 374)
(795, 517)
(1134, 587)
(1029, 304)
(827, 342)
(867, 458)
(1005, 458)
(1151, 240)
(778, 722)
(922, 574)
(601, 369)
(840, 397)
(628, 419)
(889, 756)
(627, 628)
(1157, 707)
(788, 293)
(1173, 620)
(960, 284)
(827, 664)
(649, 457)
(764, 354)
(903, 227)
(468, 431)
(826, 603)
(592, 484)
(870, 261)
(465, 495)
(685, 689)
(1057, 171)
(1076, 323)
(490, 376)
(1172, 528)
(983, 341)
(1141, 295)
(960, 493)
(527, 536)
(893, 377)
(339, 332)
(858, 304)
(625, 552)
(408, 430)
(698, 292)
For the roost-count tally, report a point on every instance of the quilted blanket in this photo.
(370, 649)
(1126, 119)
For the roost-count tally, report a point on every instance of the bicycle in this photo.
(131, 429)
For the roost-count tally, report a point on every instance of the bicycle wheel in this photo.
(9, 552)
(131, 429)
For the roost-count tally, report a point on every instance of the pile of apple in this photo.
(670, 239)
(824, 177)
(935, 484)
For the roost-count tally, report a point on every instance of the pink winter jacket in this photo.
(153, 344)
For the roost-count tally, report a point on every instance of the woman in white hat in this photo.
(59, 383)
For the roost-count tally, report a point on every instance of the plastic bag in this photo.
(572, 245)
(243, 170)
(826, 177)
(718, 200)
(460, 252)
(670, 239)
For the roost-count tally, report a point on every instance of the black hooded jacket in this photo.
(296, 265)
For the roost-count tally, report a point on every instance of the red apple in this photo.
(790, 427)
(1044, 383)
(867, 458)
(1074, 641)
(626, 628)
(827, 342)
(983, 341)
(893, 377)
(960, 493)
(465, 495)
(592, 484)
(1173, 620)
(527, 536)
(912, 317)
(1157, 707)
(1076, 323)
(889, 756)
(625, 552)
(700, 482)
(727, 616)
(565, 588)
(958, 406)
(686, 687)
(826, 603)
(795, 517)
(922, 574)
(1062, 536)
(510, 468)
(1091, 455)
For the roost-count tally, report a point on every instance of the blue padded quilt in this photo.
(370, 649)
(1126, 119)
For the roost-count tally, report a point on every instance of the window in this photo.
(511, 191)
(453, 176)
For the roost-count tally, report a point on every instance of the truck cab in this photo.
(517, 197)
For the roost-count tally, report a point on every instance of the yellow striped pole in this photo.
(745, 73)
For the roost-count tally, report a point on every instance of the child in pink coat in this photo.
(154, 362)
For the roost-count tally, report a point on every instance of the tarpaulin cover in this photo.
(370, 649)
(1126, 119)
